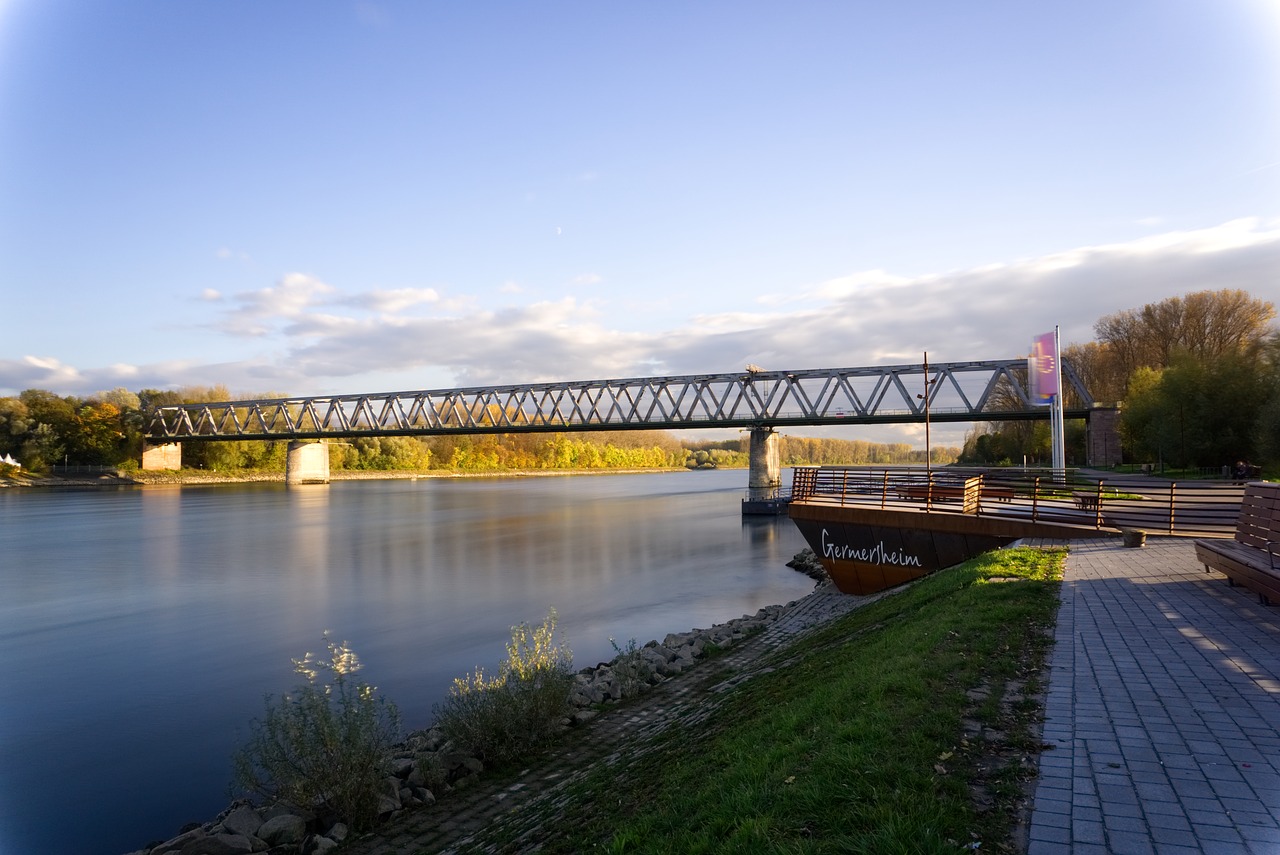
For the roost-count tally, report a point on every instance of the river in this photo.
(142, 627)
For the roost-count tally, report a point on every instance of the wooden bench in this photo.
(950, 493)
(1252, 557)
(931, 492)
(1086, 501)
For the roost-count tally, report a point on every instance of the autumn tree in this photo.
(1207, 325)
(1099, 369)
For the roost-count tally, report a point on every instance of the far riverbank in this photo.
(169, 477)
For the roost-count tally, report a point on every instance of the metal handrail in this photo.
(1075, 497)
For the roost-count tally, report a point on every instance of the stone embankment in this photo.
(807, 563)
(425, 764)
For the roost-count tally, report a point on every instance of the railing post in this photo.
(1035, 498)
(884, 491)
(844, 488)
(1097, 512)
(1173, 494)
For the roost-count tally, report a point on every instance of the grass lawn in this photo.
(906, 726)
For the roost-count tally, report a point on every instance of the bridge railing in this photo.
(1073, 497)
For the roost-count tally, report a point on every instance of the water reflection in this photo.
(152, 622)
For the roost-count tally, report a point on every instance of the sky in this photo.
(341, 197)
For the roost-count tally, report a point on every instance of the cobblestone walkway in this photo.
(617, 734)
(1163, 709)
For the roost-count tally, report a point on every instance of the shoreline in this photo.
(598, 690)
(172, 478)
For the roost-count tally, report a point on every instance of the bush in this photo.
(630, 667)
(504, 717)
(327, 745)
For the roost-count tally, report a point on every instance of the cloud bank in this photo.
(315, 337)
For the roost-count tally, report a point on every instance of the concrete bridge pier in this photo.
(765, 462)
(166, 455)
(307, 463)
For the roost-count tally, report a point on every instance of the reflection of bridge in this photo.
(755, 399)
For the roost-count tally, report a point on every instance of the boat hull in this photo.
(866, 550)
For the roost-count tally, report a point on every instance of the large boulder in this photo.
(285, 828)
(242, 820)
(389, 798)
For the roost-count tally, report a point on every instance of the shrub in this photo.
(326, 745)
(630, 667)
(503, 717)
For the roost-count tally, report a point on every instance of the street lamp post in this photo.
(928, 450)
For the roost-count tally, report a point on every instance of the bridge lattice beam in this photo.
(990, 390)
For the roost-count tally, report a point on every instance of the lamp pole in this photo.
(928, 452)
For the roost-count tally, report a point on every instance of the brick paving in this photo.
(1163, 710)
(520, 807)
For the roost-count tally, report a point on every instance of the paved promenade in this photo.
(1163, 710)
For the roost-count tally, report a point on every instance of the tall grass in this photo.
(902, 727)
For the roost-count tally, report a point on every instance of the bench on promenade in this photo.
(950, 492)
(1252, 557)
(1086, 501)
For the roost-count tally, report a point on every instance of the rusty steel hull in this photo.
(866, 549)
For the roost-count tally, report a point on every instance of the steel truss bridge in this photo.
(890, 394)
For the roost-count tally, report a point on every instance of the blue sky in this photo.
(339, 197)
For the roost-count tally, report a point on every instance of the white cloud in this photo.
(843, 286)
(311, 337)
(394, 301)
(257, 312)
(588, 279)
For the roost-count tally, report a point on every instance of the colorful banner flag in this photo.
(1042, 368)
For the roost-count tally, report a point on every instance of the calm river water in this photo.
(143, 627)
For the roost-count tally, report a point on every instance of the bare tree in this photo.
(1207, 325)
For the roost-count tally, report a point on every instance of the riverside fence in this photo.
(1073, 497)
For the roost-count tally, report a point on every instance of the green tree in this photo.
(49, 422)
(1198, 412)
(14, 425)
(1267, 430)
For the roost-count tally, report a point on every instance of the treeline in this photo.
(811, 451)
(1196, 377)
(39, 430)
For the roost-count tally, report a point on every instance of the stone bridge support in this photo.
(765, 461)
(167, 455)
(307, 463)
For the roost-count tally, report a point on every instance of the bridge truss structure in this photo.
(888, 394)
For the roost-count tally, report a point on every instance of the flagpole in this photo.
(1056, 415)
